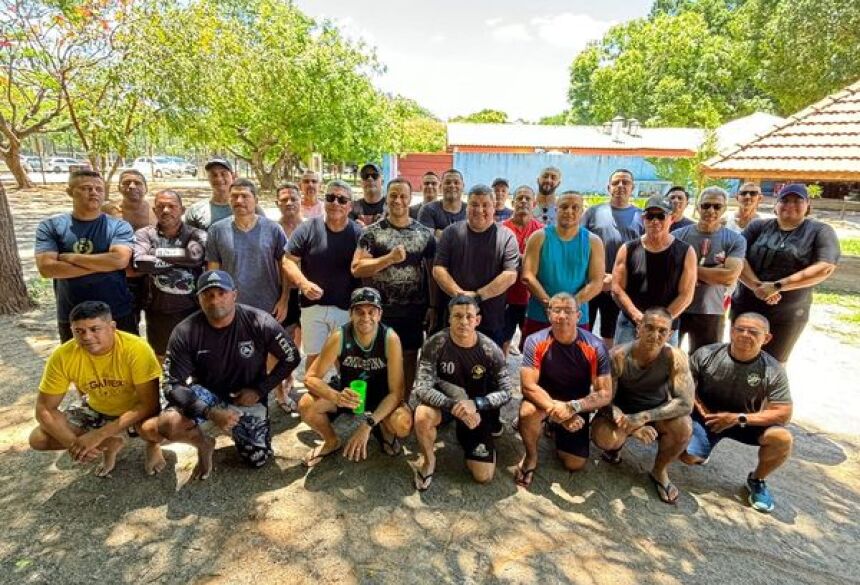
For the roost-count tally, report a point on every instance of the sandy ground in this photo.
(365, 523)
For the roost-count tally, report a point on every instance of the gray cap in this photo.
(218, 162)
(657, 202)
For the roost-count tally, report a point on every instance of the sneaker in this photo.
(759, 497)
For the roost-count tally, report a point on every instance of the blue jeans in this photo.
(625, 331)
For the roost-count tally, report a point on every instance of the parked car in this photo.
(155, 166)
(183, 167)
(31, 163)
(61, 164)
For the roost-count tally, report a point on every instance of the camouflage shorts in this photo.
(82, 416)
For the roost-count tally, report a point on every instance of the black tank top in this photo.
(653, 277)
(368, 364)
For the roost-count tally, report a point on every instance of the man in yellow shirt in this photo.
(116, 374)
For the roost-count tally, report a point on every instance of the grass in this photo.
(848, 314)
(850, 246)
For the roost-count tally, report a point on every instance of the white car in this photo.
(155, 166)
(60, 164)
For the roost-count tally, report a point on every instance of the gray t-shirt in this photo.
(613, 226)
(711, 250)
(252, 258)
(434, 216)
(724, 384)
(474, 259)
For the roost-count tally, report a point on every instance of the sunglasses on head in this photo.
(373, 176)
(750, 193)
(714, 206)
(659, 216)
(342, 199)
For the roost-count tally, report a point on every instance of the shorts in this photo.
(703, 441)
(128, 323)
(604, 304)
(702, 329)
(531, 326)
(294, 311)
(318, 322)
(514, 317)
(251, 435)
(497, 335)
(82, 416)
(477, 443)
(577, 443)
(159, 326)
(410, 330)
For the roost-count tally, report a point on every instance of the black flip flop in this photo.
(611, 457)
(317, 459)
(524, 477)
(392, 448)
(423, 482)
(663, 491)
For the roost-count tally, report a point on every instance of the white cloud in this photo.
(511, 32)
(568, 30)
(493, 22)
(437, 38)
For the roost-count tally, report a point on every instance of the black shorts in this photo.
(702, 329)
(159, 326)
(785, 334)
(477, 443)
(128, 323)
(410, 330)
(294, 311)
(514, 317)
(578, 443)
(497, 335)
(605, 305)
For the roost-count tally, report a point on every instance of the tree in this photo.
(415, 128)
(687, 172)
(14, 299)
(559, 119)
(486, 116)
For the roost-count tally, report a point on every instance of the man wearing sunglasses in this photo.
(720, 253)
(430, 191)
(318, 263)
(748, 198)
(656, 270)
(371, 207)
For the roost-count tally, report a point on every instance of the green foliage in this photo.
(415, 129)
(850, 246)
(559, 119)
(486, 116)
(687, 172)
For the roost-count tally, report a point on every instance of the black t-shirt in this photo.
(773, 254)
(231, 358)
(326, 258)
(434, 216)
(368, 213)
(474, 259)
(681, 223)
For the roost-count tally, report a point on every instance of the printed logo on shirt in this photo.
(478, 372)
(83, 246)
(284, 344)
(246, 349)
(481, 450)
(753, 379)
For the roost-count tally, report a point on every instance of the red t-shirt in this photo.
(518, 294)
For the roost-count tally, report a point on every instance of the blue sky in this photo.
(457, 57)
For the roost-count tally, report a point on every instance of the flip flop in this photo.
(524, 477)
(423, 482)
(288, 405)
(310, 462)
(391, 448)
(664, 490)
(611, 457)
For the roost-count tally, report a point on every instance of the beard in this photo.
(546, 188)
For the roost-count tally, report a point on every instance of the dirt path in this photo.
(346, 523)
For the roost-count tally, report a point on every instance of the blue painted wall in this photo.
(586, 173)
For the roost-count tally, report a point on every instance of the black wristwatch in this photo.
(742, 420)
(478, 298)
(777, 285)
(369, 420)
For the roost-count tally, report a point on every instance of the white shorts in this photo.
(318, 322)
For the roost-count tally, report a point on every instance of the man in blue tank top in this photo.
(366, 350)
(652, 399)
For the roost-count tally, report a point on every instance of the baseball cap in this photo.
(365, 296)
(793, 189)
(500, 181)
(215, 278)
(656, 201)
(371, 166)
(214, 162)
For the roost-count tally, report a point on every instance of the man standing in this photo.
(429, 190)
(116, 375)
(310, 186)
(395, 256)
(371, 207)
(437, 215)
(223, 350)
(565, 375)
(365, 350)
(170, 255)
(135, 208)
(562, 258)
(523, 225)
(720, 253)
(742, 394)
(614, 223)
(463, 376)
(202, 214)
(325, 247)
(679, 198)
(548, 181)
(652, 399)
(251, 248)
(748, 198)
(656, 270)
(86, 253)
(480, 259)
(500, 190)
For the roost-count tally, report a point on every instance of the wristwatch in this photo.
(777, 285)
(478, 298)
(369, 420)
(742, 420)
(576, 405)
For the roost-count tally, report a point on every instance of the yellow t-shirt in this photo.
(107, 380)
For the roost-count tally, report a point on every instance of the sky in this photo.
(458, 57)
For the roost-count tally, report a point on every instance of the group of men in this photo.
(414, 308)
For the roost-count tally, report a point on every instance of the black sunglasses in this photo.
(750, 193)
(342, 199)
(658, 216)
(714, 206)
(366, 176)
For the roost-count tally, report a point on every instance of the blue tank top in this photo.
(563, 268)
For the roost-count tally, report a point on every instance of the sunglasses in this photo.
(430, 183)
(652, 216)
(373, 176)
(749, 193)
(714, 206)
(342, 199)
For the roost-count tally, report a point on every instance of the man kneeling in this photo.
(565, 375)
(462, 375)
(742, 394)
(367, 351)
(117, 376)
(652, 399)
(223, 350)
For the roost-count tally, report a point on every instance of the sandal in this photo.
(612, 457)
(310, 460)
(524, 477)
(391, 448)
(423, 482)
(664, 491)
(288, 405)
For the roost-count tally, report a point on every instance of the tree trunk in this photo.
(12, 157)
(13, 290)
